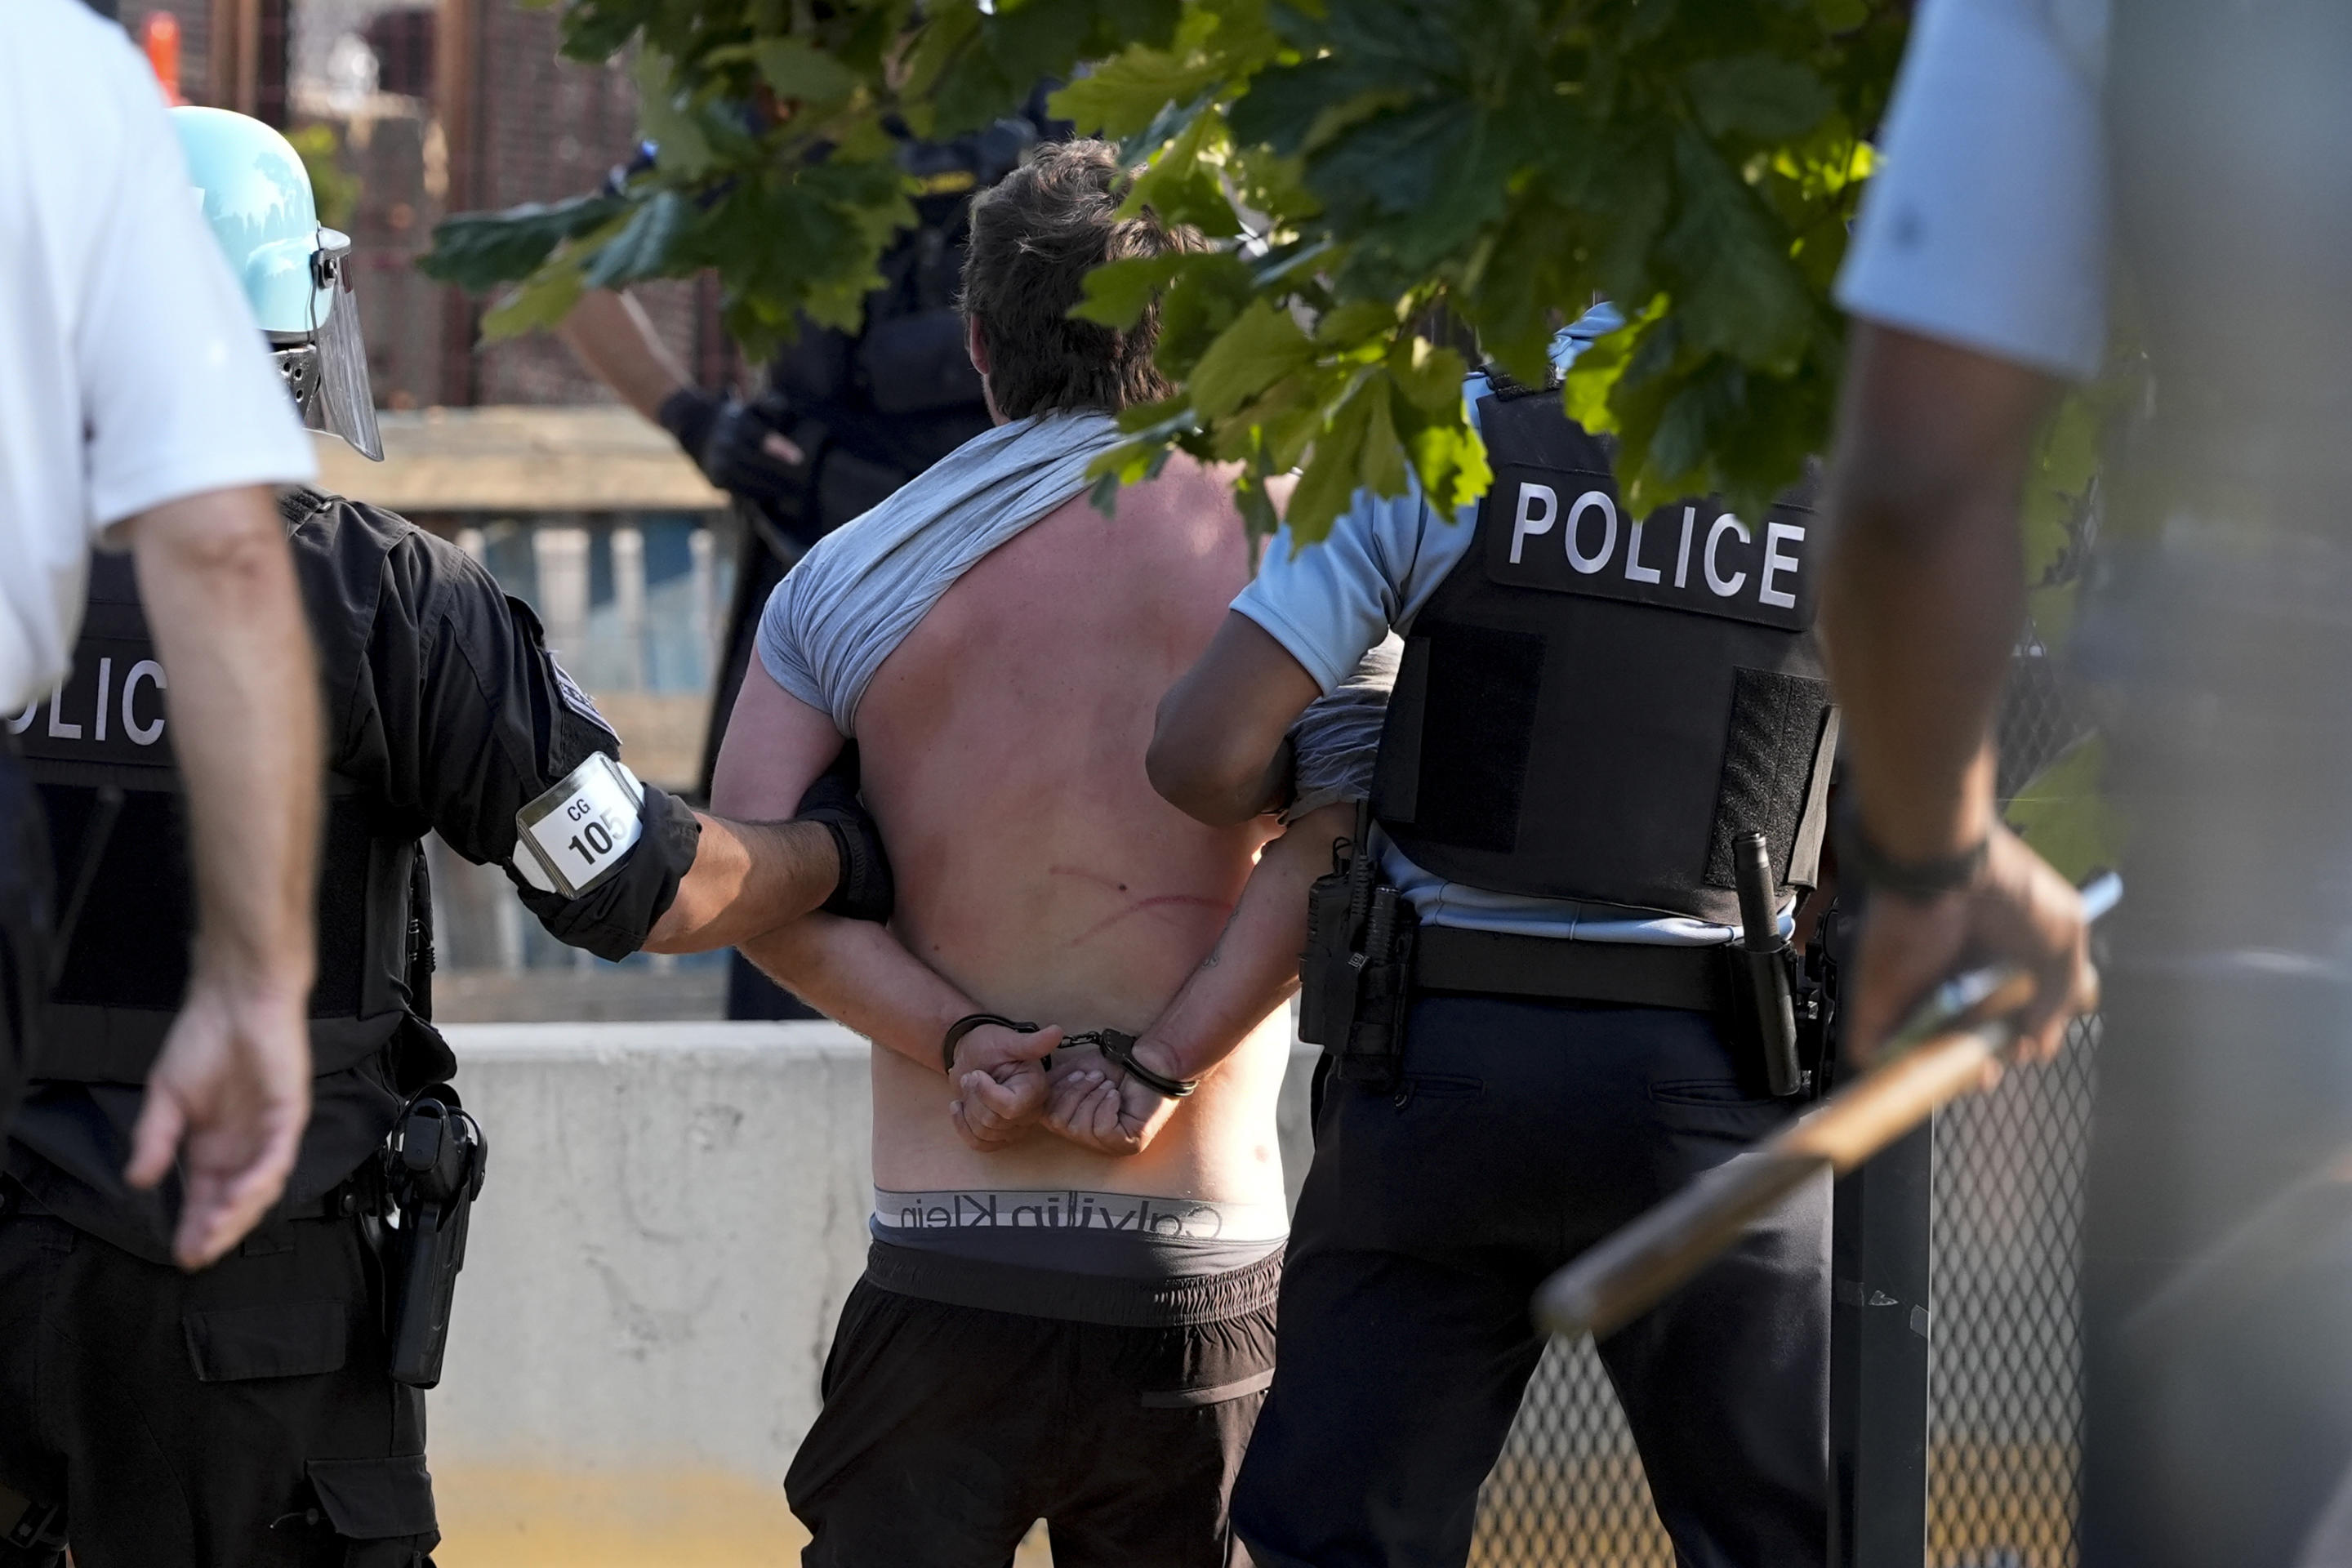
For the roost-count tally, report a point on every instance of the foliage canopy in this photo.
(1384, 175)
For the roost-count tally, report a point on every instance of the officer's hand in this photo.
(234, 1080)
(736, 445)
(2020, 910)
(746, 455)
(1098, 1106)
(1002, 1085)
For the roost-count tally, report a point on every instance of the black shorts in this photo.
(949, 1429)
(241, 1415)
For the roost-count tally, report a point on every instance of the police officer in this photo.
(1595, 710)
(254, 1413)
(846, 418)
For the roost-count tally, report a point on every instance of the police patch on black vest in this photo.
(110, 712)
(1562, 530)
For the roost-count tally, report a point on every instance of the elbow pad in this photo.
(866, 891)
(598, 857)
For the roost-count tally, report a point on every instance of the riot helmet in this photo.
(295, 271)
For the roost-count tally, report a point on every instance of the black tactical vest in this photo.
(126, 964)
(1595, 706)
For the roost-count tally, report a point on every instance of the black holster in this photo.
(434, 1162)
(1355, 975)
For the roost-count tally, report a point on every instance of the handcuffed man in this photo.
(1045, 1329)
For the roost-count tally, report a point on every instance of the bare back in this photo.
(1002, 746)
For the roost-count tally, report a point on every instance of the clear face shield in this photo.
(327, 371)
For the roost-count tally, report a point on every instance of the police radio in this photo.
(434, 1162)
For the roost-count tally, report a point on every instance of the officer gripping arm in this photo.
(462, 716)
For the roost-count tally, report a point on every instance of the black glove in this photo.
(728, 441)
(866, 890)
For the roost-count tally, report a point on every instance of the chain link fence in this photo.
(2005, 1414)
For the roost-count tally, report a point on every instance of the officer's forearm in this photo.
(1217, 751)
(748, 878)
(1924, 589)
(856, 973)
(614, 339)
(1254, 968)
(220, 595)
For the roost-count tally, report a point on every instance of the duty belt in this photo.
(1614, 973)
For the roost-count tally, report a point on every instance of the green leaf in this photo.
(1763, 96)
(796, 71)
(1258, 508)
(1737, 293)
(662, 119)
(1380, 469)
(949, 28)
(477, 250)
(1116, 293)
(1201, 302)
(1355, 321)
(1430, 377)
(1260, 348)
(1452, 462)
(1327, 486)
(1591, 380)
(1126, 93)
(642, 246)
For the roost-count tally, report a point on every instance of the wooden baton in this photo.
(1938, 1056)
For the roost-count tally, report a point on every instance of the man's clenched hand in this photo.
(1096, 1105)
(1001, 1083)
(2019, 910)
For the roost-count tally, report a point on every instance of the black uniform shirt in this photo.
(445, 712)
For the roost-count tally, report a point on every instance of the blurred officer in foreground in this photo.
(2214, 145)
(269, 1409)
(136, 409)
(1524, 984)
(845, 420)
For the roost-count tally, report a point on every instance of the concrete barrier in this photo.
(673, 1215)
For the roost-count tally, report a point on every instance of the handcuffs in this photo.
(1116, 1046)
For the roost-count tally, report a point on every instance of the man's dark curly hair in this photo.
(1034, 238)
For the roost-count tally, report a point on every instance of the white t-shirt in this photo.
(1986, 226)
(131, 373)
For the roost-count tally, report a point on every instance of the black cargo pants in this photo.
(1521, 1133)
(241, 1415)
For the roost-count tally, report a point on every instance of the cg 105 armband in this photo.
(575, 835)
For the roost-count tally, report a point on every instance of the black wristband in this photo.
(688, 415)
(865, 891)
(1118, 1048)
(1862, 861)
(966, 1025)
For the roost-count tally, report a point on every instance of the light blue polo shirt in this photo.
(1329, 603)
